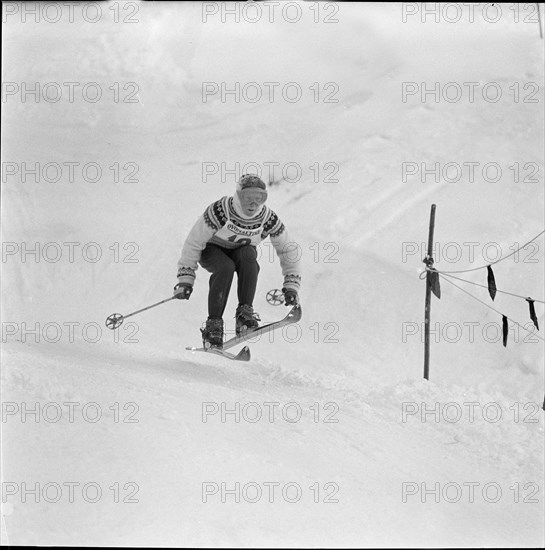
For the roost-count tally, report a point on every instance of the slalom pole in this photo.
(429, 263)
(115, 320)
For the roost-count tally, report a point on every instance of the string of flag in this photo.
(432, 275)
(484, 286)
(492, 290)
(488, 266)
(491, 286)
(505, 319)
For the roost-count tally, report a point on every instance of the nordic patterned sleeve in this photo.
(203, 230)
(288, 251)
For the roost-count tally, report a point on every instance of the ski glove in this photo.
(290, 297)
(183, 291)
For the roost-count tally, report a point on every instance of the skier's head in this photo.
(252, 193)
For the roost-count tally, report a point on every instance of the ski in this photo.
(242, 355)
(292, 317)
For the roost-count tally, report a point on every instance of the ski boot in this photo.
(246, 319)
(212, 334)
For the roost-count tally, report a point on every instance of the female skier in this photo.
(224, 240)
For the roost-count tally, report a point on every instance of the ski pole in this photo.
(115, 320)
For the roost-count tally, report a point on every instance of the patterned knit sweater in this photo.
(223, 225)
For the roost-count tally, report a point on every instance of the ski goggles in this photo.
(252, 196)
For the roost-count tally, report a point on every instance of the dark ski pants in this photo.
(222, 263)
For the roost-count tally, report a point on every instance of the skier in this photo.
(224, 240)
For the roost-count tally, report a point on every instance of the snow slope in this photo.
(350, 362)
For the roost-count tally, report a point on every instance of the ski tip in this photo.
(244, 354)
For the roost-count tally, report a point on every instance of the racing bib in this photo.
(233, 236)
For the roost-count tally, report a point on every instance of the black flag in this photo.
(491, 283)
(532, 312)
(433, 282)
(505, 330)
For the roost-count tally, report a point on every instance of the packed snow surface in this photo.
(329, 436)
